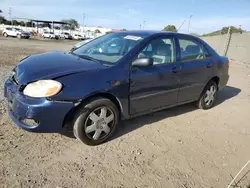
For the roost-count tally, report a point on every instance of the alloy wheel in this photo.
(99, 123)
(210, 95)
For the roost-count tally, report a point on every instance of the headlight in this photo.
(42, 88)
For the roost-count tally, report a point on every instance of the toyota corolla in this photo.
(114, 77)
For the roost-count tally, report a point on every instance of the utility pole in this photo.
(181, 25)
(83, 19)
(189, 22)
(10, 11)
(140, 26)
(144, 24)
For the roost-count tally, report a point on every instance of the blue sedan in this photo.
(114, 77)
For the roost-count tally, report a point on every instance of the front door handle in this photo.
(209, 65)
(174, 70)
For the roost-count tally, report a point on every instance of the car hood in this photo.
(51, 65)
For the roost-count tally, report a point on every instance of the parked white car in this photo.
(65, 35)
(49, 35)
(15, 32)
(78, 37)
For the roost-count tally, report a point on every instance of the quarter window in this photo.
(190, 50)
(161, 50)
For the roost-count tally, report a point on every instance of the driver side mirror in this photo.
(143, 62)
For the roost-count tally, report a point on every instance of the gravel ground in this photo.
(180, 147)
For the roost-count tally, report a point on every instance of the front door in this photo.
(154, 86)
(196, 68)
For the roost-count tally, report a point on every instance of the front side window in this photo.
(109, 48)
(190, 50)
(161, 50)
(17, 29)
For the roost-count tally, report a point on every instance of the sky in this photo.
(207, 15)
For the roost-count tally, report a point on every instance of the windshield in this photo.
(17, 29)
(109, 48)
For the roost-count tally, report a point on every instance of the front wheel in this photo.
(208, 96)
(18, 36)
(96, 121)
(5, 35)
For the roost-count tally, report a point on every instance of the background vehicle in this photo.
(65, 35)
(78, 37)
(49, 35)
(15, 32)
(114, 77)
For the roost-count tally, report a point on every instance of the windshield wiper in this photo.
(85, 57)
(88, 58)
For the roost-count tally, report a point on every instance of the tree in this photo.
(97, 31)
(1, 11)
(72, 24)
(7, 22)
(224, 30)
(2, 20)
(15, 22)
(171, 28)
(22, 23)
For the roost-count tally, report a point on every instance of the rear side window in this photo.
(191, 50)
(9, 29)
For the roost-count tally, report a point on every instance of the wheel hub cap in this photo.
(99, 123)
(210, 95)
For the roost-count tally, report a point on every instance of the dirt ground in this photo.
(180, 147)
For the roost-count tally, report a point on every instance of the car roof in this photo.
(147, 33)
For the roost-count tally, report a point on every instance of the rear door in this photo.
(196, 68)
(155, 86)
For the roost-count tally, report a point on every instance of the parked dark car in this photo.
(114, 77)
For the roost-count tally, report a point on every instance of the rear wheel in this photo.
(18, 36)
(5, 35)
(208, 97)
(96, 121)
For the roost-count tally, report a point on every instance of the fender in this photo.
(89, 85)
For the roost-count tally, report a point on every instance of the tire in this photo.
(19, 36)
(208, 96)
(5, 35)
(92, 125)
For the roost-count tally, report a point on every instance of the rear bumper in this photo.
(48, 115)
